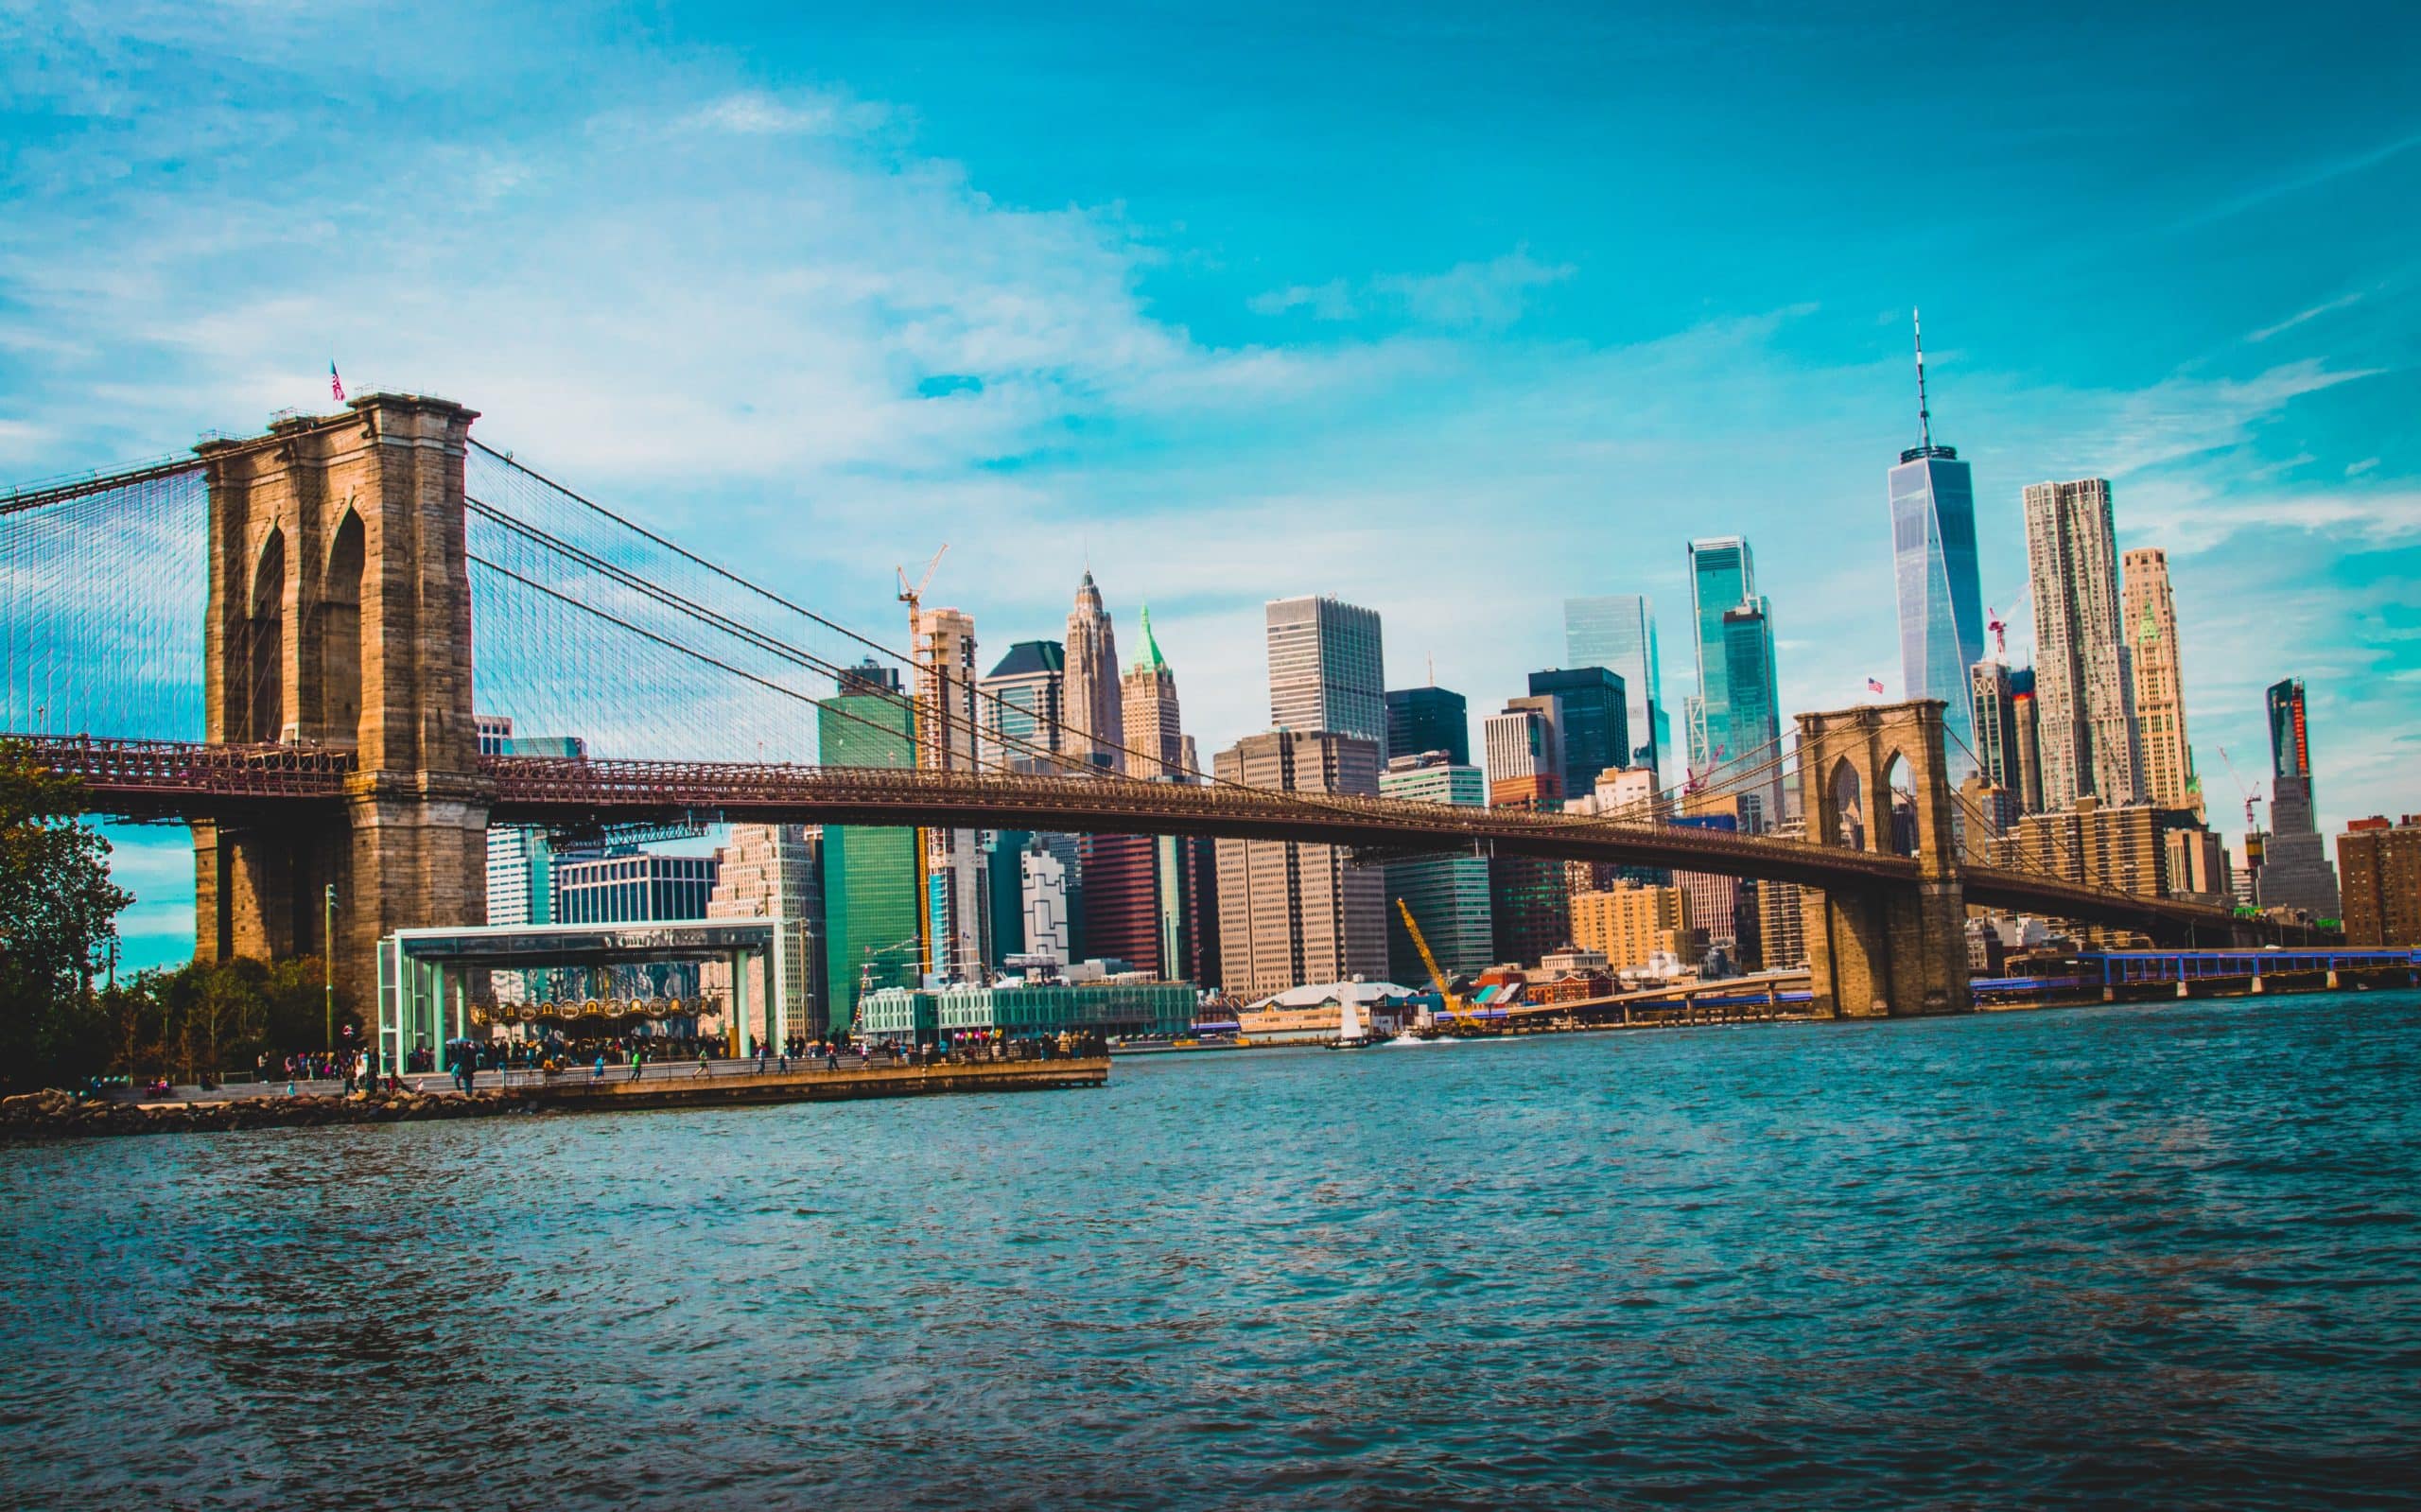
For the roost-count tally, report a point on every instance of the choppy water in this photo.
(2165, 1255)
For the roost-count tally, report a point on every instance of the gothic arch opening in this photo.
(340, 637)
(1848, 824)
(1899, 783)
(265, 646)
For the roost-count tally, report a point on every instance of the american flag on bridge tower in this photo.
(1873, 686)
(336, 385)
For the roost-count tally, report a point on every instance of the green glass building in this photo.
(870, 903)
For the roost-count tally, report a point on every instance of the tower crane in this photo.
(2252, 794)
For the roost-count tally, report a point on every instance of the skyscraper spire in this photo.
(1924, 415)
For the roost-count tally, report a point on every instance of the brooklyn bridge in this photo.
(282, 642)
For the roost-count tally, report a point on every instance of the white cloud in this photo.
(2341, 302)
(754, 112)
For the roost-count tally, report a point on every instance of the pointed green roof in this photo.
(1151, 657)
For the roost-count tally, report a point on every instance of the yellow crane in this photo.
(1455, 1008)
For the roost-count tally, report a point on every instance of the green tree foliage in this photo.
(58, 927)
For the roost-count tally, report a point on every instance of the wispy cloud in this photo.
(1489, 295)
(2310, 177)
(754, 113)
(2341, 302)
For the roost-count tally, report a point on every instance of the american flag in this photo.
(1874, 686)
(335, 387)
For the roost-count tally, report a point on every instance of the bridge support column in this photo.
(340, 617)
(1889, 951)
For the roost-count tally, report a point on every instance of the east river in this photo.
(2162, 1255)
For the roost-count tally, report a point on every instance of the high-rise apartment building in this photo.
(1096, 724)
(2381, 867)
(2119, 846)
(1591, 721)
(1147, 697)
(1448, 894)
(948, 739)
(2026, 711)
(1736, 721)
(2084, 671)
(1019, 707)
(1429, 719)
(1121, 900)
(1933, 559)
(1618, 632)
(1327, 669)
(1290, 913)
(2295, 872)
(2150, 615)
(871, 904)
(1050, 920)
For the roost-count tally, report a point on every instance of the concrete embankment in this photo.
(60, 1114)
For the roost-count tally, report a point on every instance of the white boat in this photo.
(1408, 1037)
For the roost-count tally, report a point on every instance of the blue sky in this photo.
(1452, 316)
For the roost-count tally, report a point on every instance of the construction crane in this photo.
(2251, 796)
(1999, 624)
(1456, 1010)
(925, 743)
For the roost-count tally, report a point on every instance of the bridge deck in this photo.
(153, 779)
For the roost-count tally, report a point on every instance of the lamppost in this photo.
(328, 964)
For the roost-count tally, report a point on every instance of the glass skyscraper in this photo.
(1942, 617)
(1429, 719)
(1734, 723)
(1327, 671)
(870, 903)
(1591, 721)
(1618, 632)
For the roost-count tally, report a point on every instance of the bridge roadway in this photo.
(174, 780)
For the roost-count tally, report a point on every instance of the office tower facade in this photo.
(2083, 671)
(1429, 719)
(1524, 763)
(774, 872)
(1121, 900)
(2381, 866)
(2194, 866)
(1448, 894)
(1933, 559)
(2295, 871)
(1020, 706)
(871, 903)
(632, 887)
(1723, 909)
(1991, 711)
(1327, 669)
(1292, 913)
(1095, 721)
(521, 890)
(1188, 909)
(1618, 632)
(1591, 721)
(2149, 615)
(1153, 738)
(1756, 716)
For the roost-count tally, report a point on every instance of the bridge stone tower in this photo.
(1894, 950)
(340, 617)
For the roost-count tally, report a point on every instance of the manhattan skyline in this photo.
(1455, 333)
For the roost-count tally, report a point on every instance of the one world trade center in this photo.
(1933, 555)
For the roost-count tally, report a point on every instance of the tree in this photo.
(58, 927)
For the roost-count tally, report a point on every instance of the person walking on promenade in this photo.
(638, 1063)
(831, 1059)
(761, 1051)
(597, 1072)
(702, 1061)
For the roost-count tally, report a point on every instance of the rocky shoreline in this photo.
(60, 1115)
